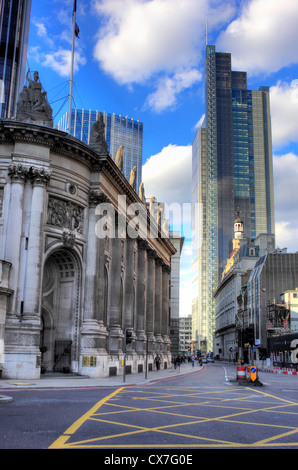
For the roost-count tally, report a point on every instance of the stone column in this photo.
(19, 175)
(166, 308)
(115, 296)
(129, 292)
(150, 300)
(141, 297)
(5, 292)
(158, 306)
(23, 339)
(93, 333)
(33, 289)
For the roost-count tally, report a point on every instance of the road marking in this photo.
(181, 429)
(60, 442)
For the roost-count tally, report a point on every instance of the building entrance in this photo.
(60, 313)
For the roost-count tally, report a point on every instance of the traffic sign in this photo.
(253, 373)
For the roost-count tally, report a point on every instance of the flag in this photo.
(77, 29)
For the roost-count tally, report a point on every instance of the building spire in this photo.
(206, 32)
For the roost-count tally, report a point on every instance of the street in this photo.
(205, 409)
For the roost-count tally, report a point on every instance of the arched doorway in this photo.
(60, 312)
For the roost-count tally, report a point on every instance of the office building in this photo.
(119, 130)
(14, 33)
(232, 172)
(185, 328)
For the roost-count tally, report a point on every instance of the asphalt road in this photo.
(206, 409)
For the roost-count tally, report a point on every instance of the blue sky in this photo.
(145, 59)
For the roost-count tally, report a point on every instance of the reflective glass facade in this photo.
(119, 130)
(14, 33)
(238, 177)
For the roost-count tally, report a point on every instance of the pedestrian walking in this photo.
(157, 362)
(178, 362)
(192, 360)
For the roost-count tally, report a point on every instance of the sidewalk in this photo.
(59, 381)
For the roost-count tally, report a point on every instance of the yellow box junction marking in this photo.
(165, 405)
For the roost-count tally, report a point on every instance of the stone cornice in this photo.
(58, 141)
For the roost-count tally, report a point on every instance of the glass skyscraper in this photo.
(119, 130)
(14, 33)
(232, 173)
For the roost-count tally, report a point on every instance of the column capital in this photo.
(97, 197)
(151, 254)
(39, 176)
(18, 173)
(166, 268)
(142, 244)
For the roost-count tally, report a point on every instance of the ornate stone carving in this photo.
(65, 214)
(166, 228)
(32, 105)
(119, 157)
(97, 137)
(142, 193)
(151, 204)
(97, 197)
(68, 239)
(39, 176)
(133, 177)
(151, 254)
(142, 244)
(19, 173)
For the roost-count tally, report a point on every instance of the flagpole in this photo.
(72, 66)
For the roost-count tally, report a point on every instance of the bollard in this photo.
(241, 372)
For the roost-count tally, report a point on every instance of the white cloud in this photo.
(41, 29)
(60, 61)
(167, 175)
(200, 122)
(286, 200)
(286, 236)
(141, 39)
(263, 38)
(284, 112)
(168, 88)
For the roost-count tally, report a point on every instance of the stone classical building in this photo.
(229, 320)
(83, 263)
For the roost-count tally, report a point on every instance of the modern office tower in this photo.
(232, 173)
(119, 130)
(14, 33)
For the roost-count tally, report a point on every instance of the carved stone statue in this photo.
(33, 105)
(159, 216)
(133, 176)
(119, 157)
(142, 192)
(151, 207)
(97, 136)
(166, 228)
